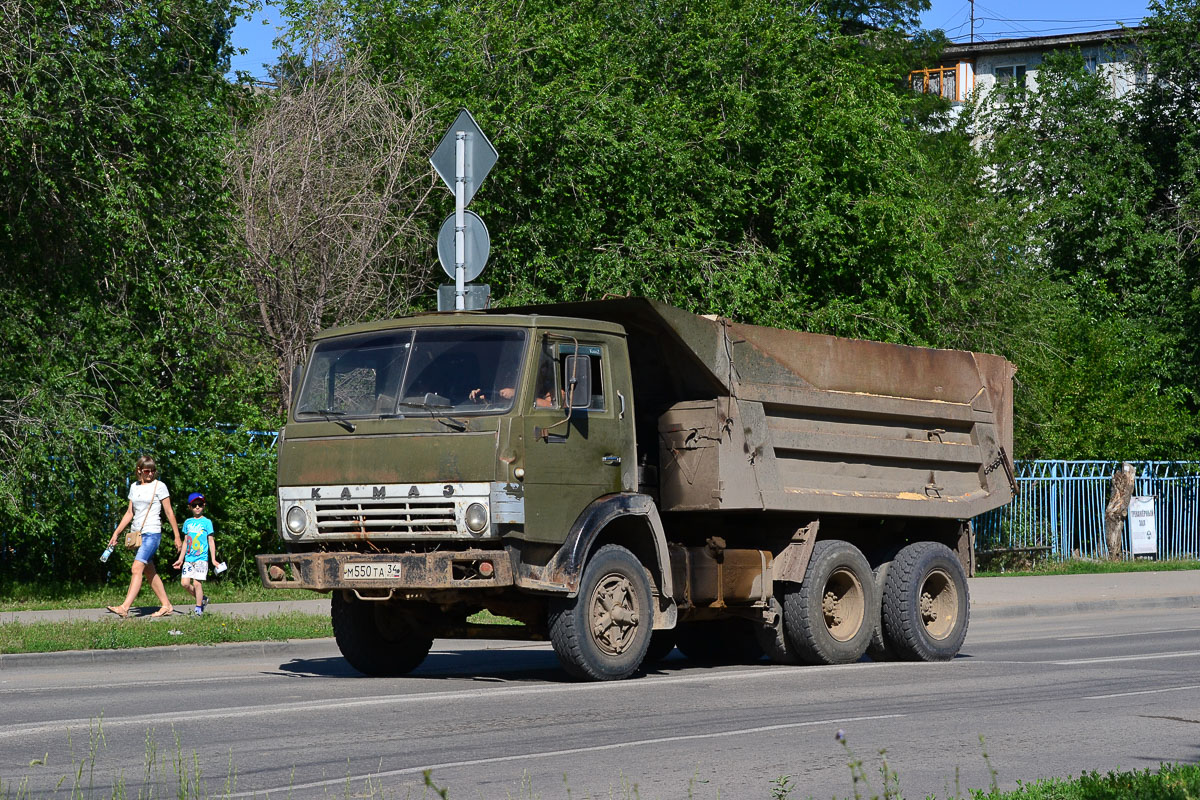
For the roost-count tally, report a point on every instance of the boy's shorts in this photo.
(196, 570)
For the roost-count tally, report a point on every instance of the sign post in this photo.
(463, 159)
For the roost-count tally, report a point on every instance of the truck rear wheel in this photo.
(723, 641)
(829, 617)
(378, 639)
(878, 649)
(925, 605)
(603, 632)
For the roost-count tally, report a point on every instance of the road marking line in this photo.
(123, 685)
(491, 692)
(553, 753)
(1110, 659)
(1119, 635)
(1143, 691)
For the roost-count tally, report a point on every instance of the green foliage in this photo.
(742, 158)
(70, 508)
(1087, 281)
(114, 229)
(1168, 782)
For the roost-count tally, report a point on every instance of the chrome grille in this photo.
(385, 516)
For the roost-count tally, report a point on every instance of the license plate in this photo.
(376, 570)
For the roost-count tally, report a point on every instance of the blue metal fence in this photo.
(1059, 510)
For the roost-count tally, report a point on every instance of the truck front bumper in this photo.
(461, 569)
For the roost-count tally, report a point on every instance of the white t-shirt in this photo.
(139, 495)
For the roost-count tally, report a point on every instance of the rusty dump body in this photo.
(610, 472)
(755, 418)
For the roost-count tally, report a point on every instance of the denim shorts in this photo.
(150, 541)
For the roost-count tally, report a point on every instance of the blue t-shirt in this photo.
(199, 528)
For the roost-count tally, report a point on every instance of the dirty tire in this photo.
(662, 644)
(878, 649)
(602, 633)
(773, 639)
(925, 606)
(829, 618)
(723, 641)
(378, 639)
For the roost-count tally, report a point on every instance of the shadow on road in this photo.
(496, 666)
(485, 666)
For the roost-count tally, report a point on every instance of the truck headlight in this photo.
(296, 519)
(476, 517)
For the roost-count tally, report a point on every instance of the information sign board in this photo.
(1143, 533)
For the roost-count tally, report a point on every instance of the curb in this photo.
(1083, 607)
(175, 652)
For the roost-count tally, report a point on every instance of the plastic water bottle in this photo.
(104, 556)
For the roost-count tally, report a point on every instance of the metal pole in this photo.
(460, 244)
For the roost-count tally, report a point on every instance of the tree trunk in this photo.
(1117, 508)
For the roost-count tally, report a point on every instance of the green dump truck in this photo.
(622, 478)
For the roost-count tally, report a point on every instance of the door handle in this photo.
(612, 461)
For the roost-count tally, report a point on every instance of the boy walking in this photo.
(199, 547)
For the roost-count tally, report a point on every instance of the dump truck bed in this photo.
(753, 418)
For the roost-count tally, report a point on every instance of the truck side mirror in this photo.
(577, 374)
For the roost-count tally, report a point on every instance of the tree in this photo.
(332, 185)
(112, 238)
(741, 158)
(1101, 365)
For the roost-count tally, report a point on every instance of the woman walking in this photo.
(148, 497)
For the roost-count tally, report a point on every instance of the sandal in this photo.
(164, 611)
(117, 610)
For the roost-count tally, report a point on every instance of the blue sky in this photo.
(995, 19)
(1003, 19)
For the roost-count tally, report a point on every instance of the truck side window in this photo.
(545, 389)
(594, 356)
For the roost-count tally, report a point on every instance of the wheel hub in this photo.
(938, 603)
(614, 614)
(844, 605)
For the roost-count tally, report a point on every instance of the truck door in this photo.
(572, 460)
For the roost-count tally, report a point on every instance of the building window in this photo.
(941, 81)
(1091, 63)
(1011, 74)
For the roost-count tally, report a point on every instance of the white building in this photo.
(977, 67)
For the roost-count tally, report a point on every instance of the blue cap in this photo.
(194, 496)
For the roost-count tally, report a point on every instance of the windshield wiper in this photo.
(451, 422)
(333, 416)
(430, 401)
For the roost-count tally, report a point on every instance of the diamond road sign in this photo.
(480, 155)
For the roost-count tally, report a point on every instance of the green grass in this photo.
(1093, 567)
(122, 634)
(1168, 782)
(40, 597)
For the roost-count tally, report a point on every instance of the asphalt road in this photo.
(1051, 696)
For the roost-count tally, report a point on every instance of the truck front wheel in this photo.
(829, 617)
(603, 632)
(378, 639)
(925, 608)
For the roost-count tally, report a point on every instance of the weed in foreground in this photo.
(180, 775)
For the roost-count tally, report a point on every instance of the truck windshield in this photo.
(414, 372)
